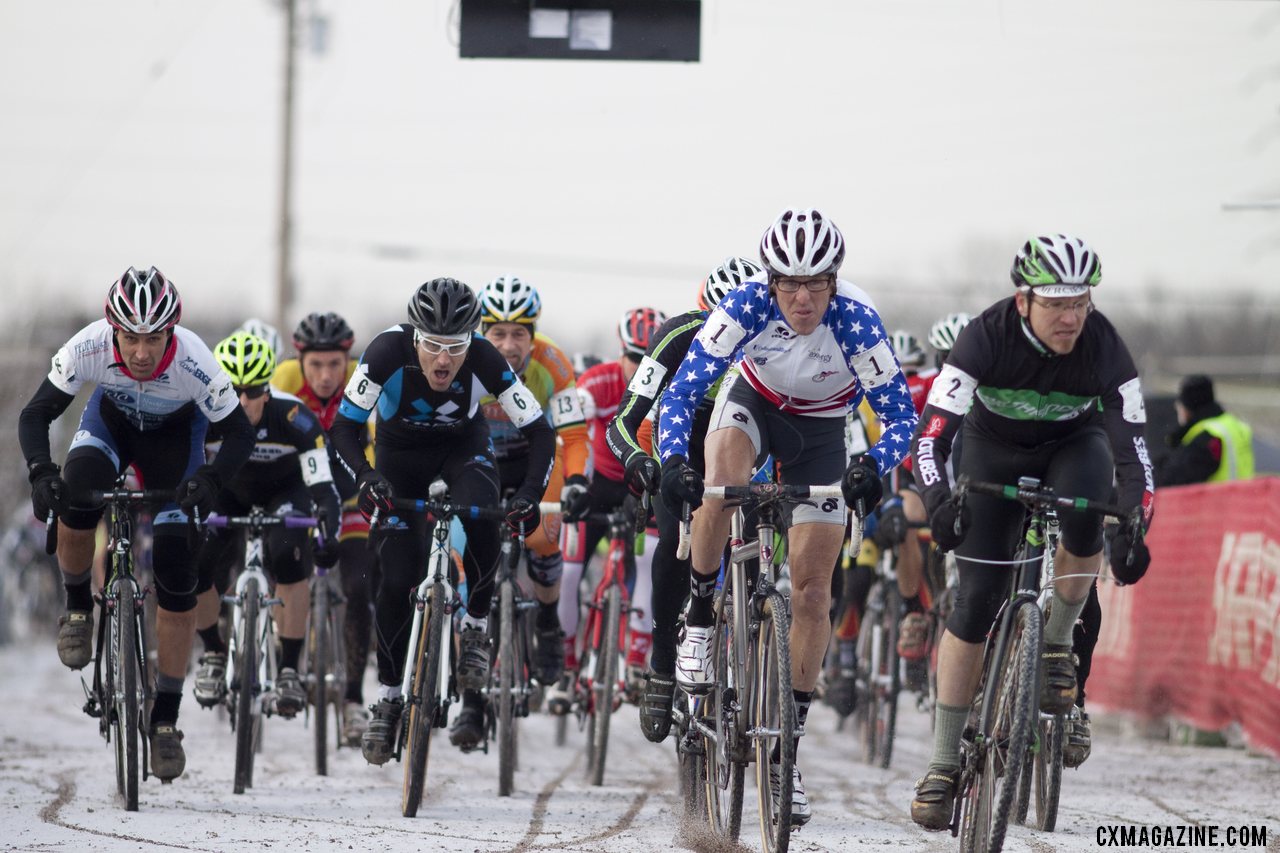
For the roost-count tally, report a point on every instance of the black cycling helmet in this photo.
(444, 306)
(319, 332)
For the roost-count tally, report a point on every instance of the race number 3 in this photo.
(648, 378)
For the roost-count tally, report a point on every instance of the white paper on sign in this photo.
(591, 29)
(548, 23)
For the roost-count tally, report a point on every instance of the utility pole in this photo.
(284, 276)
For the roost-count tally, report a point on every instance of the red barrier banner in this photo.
(1199, 637)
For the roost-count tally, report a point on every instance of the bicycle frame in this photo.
(613, 574)
(109, 698)
(1030, 586)
(751, 702)
(253, 570)
(438, 563)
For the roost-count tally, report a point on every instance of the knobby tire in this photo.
(247, 674)
(321, 654)
(775, 708)
(507, 681)
(1010, 704)
(422, 708)
(606, 683)
(128, 712)
(724, 776)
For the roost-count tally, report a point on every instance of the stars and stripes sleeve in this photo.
(735, 321)
(882, 382)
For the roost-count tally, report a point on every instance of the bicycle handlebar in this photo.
(443, 509)
(105, 496)
(1039, 497)
(753, 493)
(214, 519)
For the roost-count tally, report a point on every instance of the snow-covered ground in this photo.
(58, 786)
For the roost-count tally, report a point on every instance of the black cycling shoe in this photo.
(1058, 685)
(842, 693)
(548, 655)
(168, 759)
(1078, 742)
(75, 638)
(467, 731)
(473, 658)
(378, 741)
(935, 799)
(656, 695)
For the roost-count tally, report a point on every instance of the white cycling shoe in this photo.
(800, 813)
(695, 672)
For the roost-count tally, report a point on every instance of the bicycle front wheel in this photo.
(507, 680)
(1009, 704)
(319, 653)
(1048, 771)
(127, 683)
(246, 677)
(420, 716)
(605, 683)
(773, 725)
(725, 753)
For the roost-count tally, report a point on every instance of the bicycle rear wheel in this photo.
(420, 716)
(319, 654)
(605, 683)
(1048, 771)
(1009, 705)
(724, 757)
(244, 719)
(127, 682)
(691, 759)
(870, 641)
(507, 680)
(773, 722)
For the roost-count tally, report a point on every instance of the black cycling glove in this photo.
(641, 475)
(1129, 558)
(374, 493)
(47, 489)
(861, 482)
(523, 511)
(949, 523)
(574, 500)
(680, 484)
(200, 491)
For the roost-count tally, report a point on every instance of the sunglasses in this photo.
(435, 347)
(251, 392)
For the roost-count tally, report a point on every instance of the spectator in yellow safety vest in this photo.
(1209, 445)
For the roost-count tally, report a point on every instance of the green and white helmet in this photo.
(942, 336)
(1056, 266)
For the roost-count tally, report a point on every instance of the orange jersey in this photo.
(549, 375)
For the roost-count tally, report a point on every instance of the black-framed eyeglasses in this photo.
(813, 284)
(251, 392)
(434, 347)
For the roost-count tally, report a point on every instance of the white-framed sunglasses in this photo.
(434, 346)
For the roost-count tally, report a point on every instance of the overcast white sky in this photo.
(937, 134)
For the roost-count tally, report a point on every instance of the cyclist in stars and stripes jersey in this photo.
(811, 347)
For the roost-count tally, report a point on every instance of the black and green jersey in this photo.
(666, 350)
(1008, 387)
